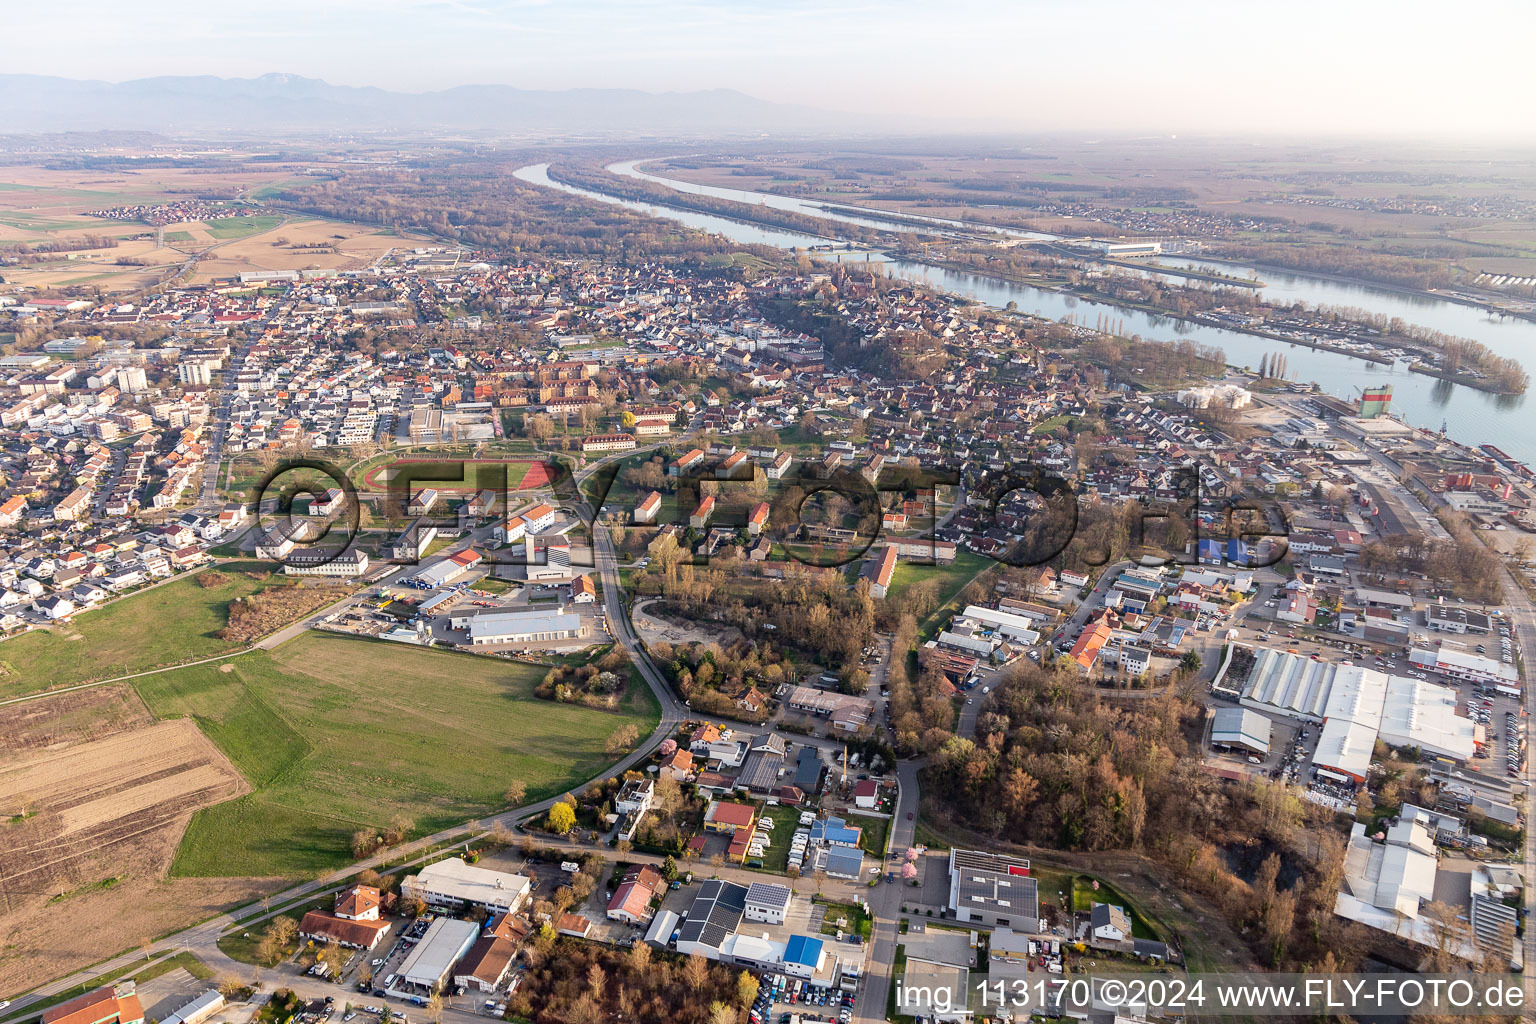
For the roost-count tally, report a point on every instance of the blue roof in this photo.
(802, 949)
(834, 830)
(1209, 548)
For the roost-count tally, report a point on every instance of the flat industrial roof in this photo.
(1241, 727)
(439, 949)
(1289, 683)
(498, 623)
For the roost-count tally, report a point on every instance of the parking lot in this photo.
(780, 997)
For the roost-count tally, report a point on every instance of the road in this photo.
(885, 905)
(202, 939)
(209, 501)
(1523, 621)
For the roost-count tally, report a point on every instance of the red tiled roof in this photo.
(631, 898)
(1087, 648)
(727, 813)
(363, 934)
(357, 901)
(101, 1005)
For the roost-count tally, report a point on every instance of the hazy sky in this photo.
(1356, 66)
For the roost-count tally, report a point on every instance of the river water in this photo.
(1470, 416)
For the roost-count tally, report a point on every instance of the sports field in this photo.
(168, 625)
(464, 477)
(336, 734)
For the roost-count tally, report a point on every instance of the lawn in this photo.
(785, 821)
(951, 577)
(1084, 896)
(338, 733)
(242, 943)
(168, 625)
(858, 921)
(239, 227)
(924, 835)
(1048, 425)
(872, 834)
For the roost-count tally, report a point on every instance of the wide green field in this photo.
(239, 227)
(952, 577)
(337, 733)
(169, 625)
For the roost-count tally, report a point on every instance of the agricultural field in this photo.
(69, 718)
(42, 207)
(94, 798)
(239, 227)
(1324, 198)
(336, 734)
(157, 628)
(279, 243)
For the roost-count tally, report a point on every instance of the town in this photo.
(754, 549)
(689, 421)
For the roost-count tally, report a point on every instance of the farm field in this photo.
(336, 734)
(69, 718)
(270, 242)
(239, 227)
(45, 205)
(94, 798)
(167, 625)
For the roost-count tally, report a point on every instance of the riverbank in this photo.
(1195, 319)
(1458, 298)
(1196, 275)
(1421, 400)
(682, 201)
(1467, 382)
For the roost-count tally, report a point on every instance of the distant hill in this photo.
(39, 103)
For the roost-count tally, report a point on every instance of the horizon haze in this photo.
(1364, 70)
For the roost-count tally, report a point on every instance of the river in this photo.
(1469, 415)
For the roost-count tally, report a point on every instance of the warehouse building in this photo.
(450, 570)
(1356, 706)
(1014, 627)
(1240, 729)
(712, 918)
(1453, 618)
(428, 966)
(1461, 665)
(198, 1010)
(509, 627)
(1290, 685)
(989, 888)
(455, 885)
